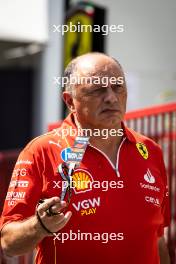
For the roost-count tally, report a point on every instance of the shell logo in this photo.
(81, 180)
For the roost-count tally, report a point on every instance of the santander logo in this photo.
(148, 177)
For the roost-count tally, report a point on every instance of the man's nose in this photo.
(110, 96)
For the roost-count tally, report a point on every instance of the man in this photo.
(122, 223)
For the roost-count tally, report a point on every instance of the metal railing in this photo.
(159, 123)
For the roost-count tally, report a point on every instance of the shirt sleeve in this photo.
(165, 207)
(25, 187)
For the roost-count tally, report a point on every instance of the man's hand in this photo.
(163, 251)
(20, 237)
(54, 222)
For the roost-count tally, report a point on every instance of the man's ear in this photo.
(68, 99)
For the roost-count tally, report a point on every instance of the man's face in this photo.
(101, 104)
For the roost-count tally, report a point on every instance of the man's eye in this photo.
(117, 88)
(95, 91)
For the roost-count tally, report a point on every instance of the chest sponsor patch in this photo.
(65, 154)
(87, 207)
(152, 200)
(81, 181)
(148, 177)
(142, 150)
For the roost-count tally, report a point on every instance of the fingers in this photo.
(47, 203)
(58, 207)
(53, 222)
(64, 220)
(54, 203)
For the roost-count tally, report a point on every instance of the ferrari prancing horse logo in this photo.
(142, 150)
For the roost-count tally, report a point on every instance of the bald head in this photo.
(91, 64)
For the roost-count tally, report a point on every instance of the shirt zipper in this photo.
(116, 168)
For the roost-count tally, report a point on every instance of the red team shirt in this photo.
(123, 215)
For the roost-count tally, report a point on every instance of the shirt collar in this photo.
(130, 134)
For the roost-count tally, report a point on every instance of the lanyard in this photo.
(66, 169)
